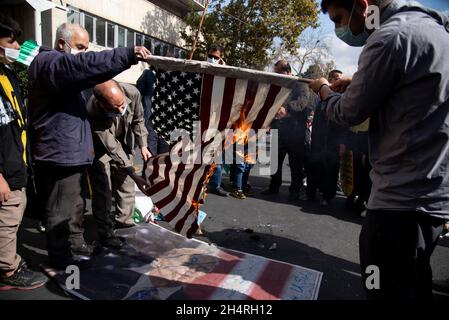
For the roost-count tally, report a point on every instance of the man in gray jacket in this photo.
(402, 85)
(117, 122)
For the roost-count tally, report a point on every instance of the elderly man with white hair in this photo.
(60, 134)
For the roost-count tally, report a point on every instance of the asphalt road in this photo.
(300, 232)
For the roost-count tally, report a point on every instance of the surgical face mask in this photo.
(114, 114)
(345, 34)
(72, 50)
(10, 56)
(212, 59)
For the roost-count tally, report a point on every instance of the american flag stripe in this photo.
(271, 281)
(205, 107)
(155, 166)
(187, 177)
(261, 114)
(215, 107)
(210, 281)
(163, 183)
(259, 101)
(239, 100)
(280, 98)
(227, 104)
(251, 92)
(179, 175)
(240, 281)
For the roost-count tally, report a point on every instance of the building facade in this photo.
(155, 24)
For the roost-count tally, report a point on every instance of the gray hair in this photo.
(65, 32)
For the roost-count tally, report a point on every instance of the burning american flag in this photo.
(204, 100)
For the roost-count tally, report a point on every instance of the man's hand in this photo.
(4, 189)
(146, 154)
(315, 85)
(282, 113)
(141, 183)
(340, 85)
(142, 53)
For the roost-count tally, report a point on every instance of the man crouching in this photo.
(116, 117)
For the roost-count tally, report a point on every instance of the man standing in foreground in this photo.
(61, 138)
(14, 273)
(402, 84)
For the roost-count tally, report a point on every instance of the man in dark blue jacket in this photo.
(60, 134)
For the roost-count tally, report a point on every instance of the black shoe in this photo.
(268, 192)
(247, 190)
(82, 250)
(22, 279)
(111, 242)
(119, 225)
(219, 192)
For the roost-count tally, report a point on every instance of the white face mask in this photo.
(10, 56)
(113, 114)
(212, 60)
(73, 51)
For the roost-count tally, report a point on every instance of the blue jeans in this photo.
(215, 180)
(241, 175)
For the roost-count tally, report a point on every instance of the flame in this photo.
(202, 198)
(241, 135)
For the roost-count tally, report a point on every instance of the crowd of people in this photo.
(65, 139)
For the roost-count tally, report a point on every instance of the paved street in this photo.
(300, 232)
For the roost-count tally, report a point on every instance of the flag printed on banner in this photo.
(28, 51)
(213, 97)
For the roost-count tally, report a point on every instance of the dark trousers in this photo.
(156, 144)
(322, 174)
(63, 192)
(400, 243)
(296, 157)
(109, 181)
(362, 180)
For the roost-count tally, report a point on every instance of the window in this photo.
(107, 34)
(73, 16)
(139, 39)
(110, 35)
(147, 43)
(157, 48)
(89, 26)
(121, 37)
(129, 38)
(100, 28)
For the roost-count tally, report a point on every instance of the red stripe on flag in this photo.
(164, 183)
(194, 226)
(155, 172)
(262, 115)
(203, 287)
(206, 98)
(250, 95)
(226, 107)
(187, 186)
(163, 202)
(271, 282)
